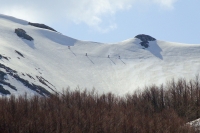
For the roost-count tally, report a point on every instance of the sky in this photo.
(111, 21)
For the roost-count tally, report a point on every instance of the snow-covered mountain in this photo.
(50, 62)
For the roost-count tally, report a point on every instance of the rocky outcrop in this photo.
(41, 26)
(3, 57)
(39, 89)
(45, 82)
(19, 53)
(145, 44)
(2, 75)
(4, 91)
(8, 84)
(22, 33)
(145, 39)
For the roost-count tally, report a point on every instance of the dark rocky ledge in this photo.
(4, 91)
(2, 74)
(41, 26)
(19, 53)
(45, 82)
(22, 33)
(39, 89)
(145, 39)
(3, 57)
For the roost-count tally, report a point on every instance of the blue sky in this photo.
(112, 21)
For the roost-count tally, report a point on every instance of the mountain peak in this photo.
(145, 39)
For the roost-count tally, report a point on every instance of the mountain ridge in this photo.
(53, 62)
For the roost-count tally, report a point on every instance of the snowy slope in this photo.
(49, 63)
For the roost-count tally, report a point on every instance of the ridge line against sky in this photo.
(112, 20)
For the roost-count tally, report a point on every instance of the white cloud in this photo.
(90, 12)
(165, 3)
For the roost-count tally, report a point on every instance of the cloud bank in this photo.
(89, 12)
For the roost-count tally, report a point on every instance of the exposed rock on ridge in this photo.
(145, 39)
(41, 26)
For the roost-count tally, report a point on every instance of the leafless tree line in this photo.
(155, 109)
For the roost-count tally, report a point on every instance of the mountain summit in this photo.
(145, 39)
(51, 62)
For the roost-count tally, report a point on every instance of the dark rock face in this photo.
(22, 33)
(39, 89)
(4, 91)
(145, 44)
(2, 74)
(41, 26)
(44, 82)
(145, 39)
(8, 84)
(3, 57)
(19, 53)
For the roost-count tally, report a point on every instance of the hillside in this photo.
(52, 62)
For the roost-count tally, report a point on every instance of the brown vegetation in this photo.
(154, 110)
